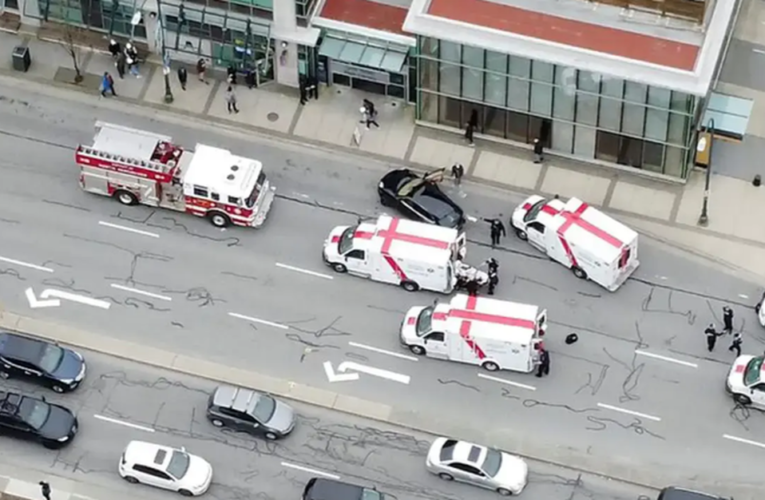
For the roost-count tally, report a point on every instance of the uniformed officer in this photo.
(497, 230)
(492, 264)
(544, 363)
(736, 344)
(712, 335)
(727, 320)
(493, 280)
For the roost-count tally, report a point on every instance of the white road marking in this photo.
(382, 351)
(261, 321)
(665, 358)
(629, 412)
(375, 372)
(338, 377)
(141, 292)
(305, 271)
(310, 471)
(745, 441)
(471, 218)
(26, 264)
(743, 296)
(508, 382)
(758, 51)
(126, 424)
(128, 229)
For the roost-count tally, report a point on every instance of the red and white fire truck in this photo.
(139, 167)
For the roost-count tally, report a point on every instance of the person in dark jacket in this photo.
(544, 363)
(736, 343)
(727, 320)
(492, 264)
(115, 49)
(470, 127)
(183, 77)
(493, 281)
(121, 64)
(711, 335)
(457, 172)
(538, 151)
(497, 230)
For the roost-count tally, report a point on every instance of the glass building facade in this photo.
(108, 16)
(571, 111)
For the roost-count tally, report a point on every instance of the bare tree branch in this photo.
(71, 47)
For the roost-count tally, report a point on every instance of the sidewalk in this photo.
(18, 483)
(665, 210)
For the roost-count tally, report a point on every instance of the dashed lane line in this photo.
(128, 229)
(305, 271)
(382, 351)
(745, 441)
(507, 382)
(666, 358)
(629, 412)
(140, 292)
(310, 471)
(123, 423)
(26, 264)
(260, 321)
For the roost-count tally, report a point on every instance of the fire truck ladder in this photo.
(154, 166)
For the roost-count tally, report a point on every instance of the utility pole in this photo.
(704, 217)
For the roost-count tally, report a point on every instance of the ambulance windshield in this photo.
(753, 371)
(425, 321)
(534, 210)
(346, 240)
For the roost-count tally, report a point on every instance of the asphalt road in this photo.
(204, 280)
(121, 401)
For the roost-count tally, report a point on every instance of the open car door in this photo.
(435, 176)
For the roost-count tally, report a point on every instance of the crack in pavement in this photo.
(457, 382)
(601, 423)
(667, 309)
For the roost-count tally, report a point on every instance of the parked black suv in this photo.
(35, 419)
(675, 493)
(245, 410)
(319, 488)
(40, 362)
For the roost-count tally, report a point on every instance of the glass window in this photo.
(468, 108)
(351, 52)
(496, 62)
(429, 46)
(659, 97)
(584, 142)
(630, 152)
(674, 161)
(449, 112)
(635, 92)
(680, 102)
(472, 83)
(496, 89)
(587, 108)
(372, 56)
(541, 98)
(517, 126)
(520, 66)
(612, 87)
(449, 79)
(542, 72)
(450, 52)
(610, 114)
(607, 146)
(563, 103)
(633, 119)
(677, 132)
(562, 137)
(428, 74)
(653, 156)
(588, 81)
(518, 94)
(539, 128)
(494, 123)
(472, 56)
(656, 123)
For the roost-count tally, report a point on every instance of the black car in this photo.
(40, 362)
(319, 488)
(419, 198)
(675, 493)
(245, 410)
(35, 419)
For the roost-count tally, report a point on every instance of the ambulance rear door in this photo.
(541, 323)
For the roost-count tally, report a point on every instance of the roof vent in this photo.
(234, 168)
(230, 177)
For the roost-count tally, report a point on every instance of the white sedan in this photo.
(746, 381)
(166, 468)
(454, 460)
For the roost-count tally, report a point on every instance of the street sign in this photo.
(356, 368)
(52, 298)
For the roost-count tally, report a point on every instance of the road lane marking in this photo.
(471, 218)
(305, 271)
(261, 321)
(629, 412)
(382, 351)
(665, 358)
(758, 51)
(140, 292)
(745, 441)
(508, 382)
(128, 229)
(122, 422)
(310, 471)
(26, 264)
(743, 296)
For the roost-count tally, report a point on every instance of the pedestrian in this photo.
(45, 490)
(493, 281)
(314, 88)
(497, 230)
(727, 320)
(249, 78)
(114, 48)
(202, 70)
(371, 119)
(472, 287)
(736, 343)
(107, 85)
(712, 335)
(231, 75)
(231, 100)
(538, 151)
(544, 362)
(492, 264)
(472, 124)
(303, 91)
(121, 64)
(131, 57)
(457, 172)
(183, 77)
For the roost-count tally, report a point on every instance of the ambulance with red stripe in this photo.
(584, 239)
(413, 255)
(494, 334)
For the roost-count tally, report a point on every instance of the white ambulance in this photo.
(582, 238)
(494, 334)
(410, 254)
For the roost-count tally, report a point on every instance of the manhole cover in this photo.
(272, 117)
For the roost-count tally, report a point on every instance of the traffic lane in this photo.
(122, 401)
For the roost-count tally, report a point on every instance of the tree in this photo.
(71, 47)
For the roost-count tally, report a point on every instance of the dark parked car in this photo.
(245, 410)
(319, 488)
(675, 493)
(418, 197)
(40, 362)
(35, 419)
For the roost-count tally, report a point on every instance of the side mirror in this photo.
(183, 449)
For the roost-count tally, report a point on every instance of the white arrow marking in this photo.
(471, 218)
(375, 372)
(334, 377)
(34, 302)
(49, 292)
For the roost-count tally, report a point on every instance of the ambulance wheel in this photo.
(742, 400)
(339, 268)
(579, 273)
(125, 197)
(521, 234)
(410, 286)
(490, 366)
(218, 219)
(417, 349)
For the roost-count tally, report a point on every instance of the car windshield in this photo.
(35, 413)
(753, 372)
(370, 495)
(425, 321)
(534, 210)
(346, 240)
(51, 358)
(179, 464)
(492, 463)
(265, 408)
(253, 198)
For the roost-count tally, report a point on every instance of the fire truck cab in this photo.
(139, 167)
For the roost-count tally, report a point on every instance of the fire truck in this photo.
(139, 167)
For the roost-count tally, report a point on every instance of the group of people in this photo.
(712, 334)
(124, 59)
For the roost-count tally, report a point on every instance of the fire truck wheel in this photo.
(417, 349)
(579, 273)
(339, 268)
(125, 197)
(490, 366)
(521, 234)
(410, 286)
(218, 219)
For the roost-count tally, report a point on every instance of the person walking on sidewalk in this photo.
(472, 124)
(183, 77)
(458, 171)
(131, 54)
(115, 49)
(121, 64)
(231, 100)
(711, 335)
(107, 85)
(202, 70)
(727, 320)
(735, 345)
(302, 87)
(45, 490)
(538, 151)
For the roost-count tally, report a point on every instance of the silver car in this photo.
(454, 460)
